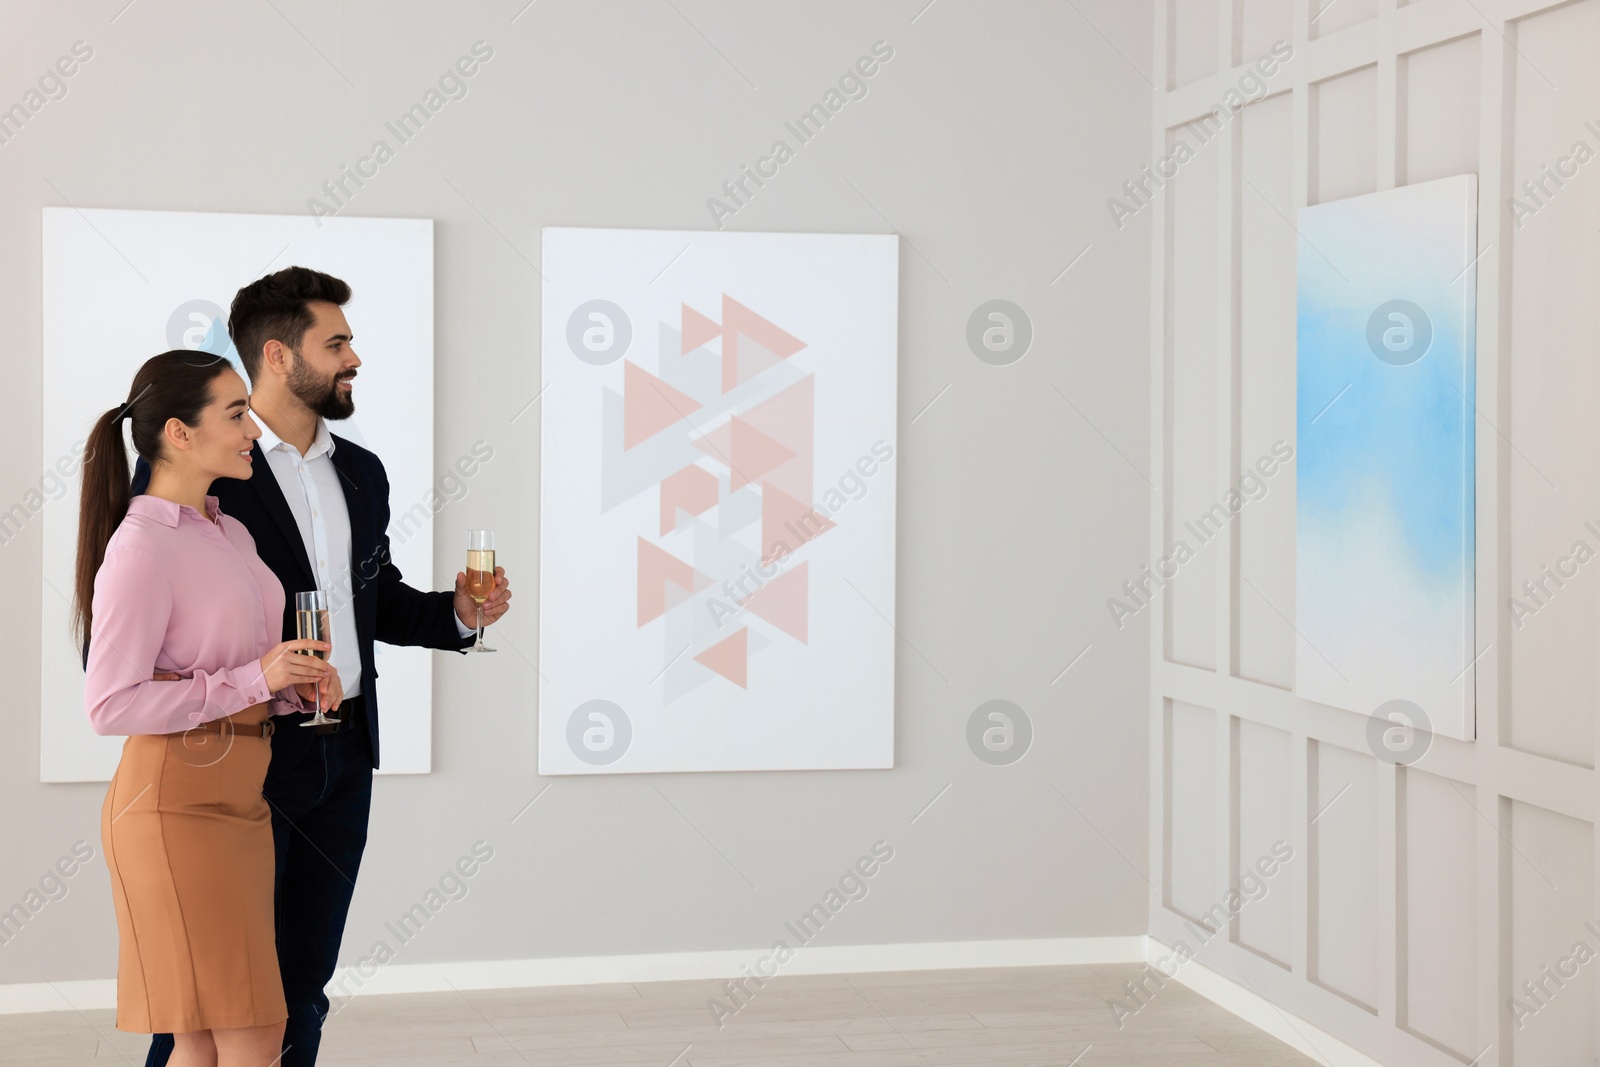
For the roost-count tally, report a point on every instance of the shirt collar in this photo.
(321, 444)
(168, 512)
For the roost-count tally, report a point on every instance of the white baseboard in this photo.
(658, 967)
(1303, 1037)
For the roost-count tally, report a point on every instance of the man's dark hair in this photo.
(275, 308)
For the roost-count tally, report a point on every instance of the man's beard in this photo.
(321, 395)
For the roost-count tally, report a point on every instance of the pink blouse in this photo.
(180, 593)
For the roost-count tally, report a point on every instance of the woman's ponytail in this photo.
(101, 507)
(173, 385)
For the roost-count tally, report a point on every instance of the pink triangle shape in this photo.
(729, 657)
(697, 330)
(649, 405)
(656, 569)
(754, 454)
(784, 602)
(785, 519)
(690, 491)
(739, 321)
(786, 417)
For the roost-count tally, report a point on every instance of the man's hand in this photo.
(332, 690)
(498, 604)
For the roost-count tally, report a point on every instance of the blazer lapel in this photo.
(363, 538)
(265, 485)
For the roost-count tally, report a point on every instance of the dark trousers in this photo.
(319, 787)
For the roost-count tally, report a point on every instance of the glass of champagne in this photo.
(311, 624)
(480, 576)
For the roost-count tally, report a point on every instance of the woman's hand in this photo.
(332, 690)
(284, 665)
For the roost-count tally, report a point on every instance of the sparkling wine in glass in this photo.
(311, 624)
(480, 576)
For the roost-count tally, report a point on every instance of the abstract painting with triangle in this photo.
(717, 501)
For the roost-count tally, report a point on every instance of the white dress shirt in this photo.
(310, 485)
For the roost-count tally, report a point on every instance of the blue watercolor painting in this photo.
(1385, 539)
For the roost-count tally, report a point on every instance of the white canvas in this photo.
(122, 286)
(1386, 380)
(717, 505)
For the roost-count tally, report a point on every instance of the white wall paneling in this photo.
(1420, 898)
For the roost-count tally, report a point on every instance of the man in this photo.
(318, 508)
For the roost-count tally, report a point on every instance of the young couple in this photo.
(233, 835)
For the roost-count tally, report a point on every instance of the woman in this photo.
(181, 616)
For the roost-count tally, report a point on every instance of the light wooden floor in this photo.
(1012, 1016)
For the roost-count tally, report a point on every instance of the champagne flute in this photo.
(311, 624)
(480, 576)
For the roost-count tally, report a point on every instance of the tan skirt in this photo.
(188, 838)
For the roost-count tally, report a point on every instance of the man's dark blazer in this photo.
(386, 608)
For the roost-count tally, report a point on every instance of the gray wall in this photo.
(991, 141)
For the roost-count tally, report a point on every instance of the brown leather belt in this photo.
(229, 724)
